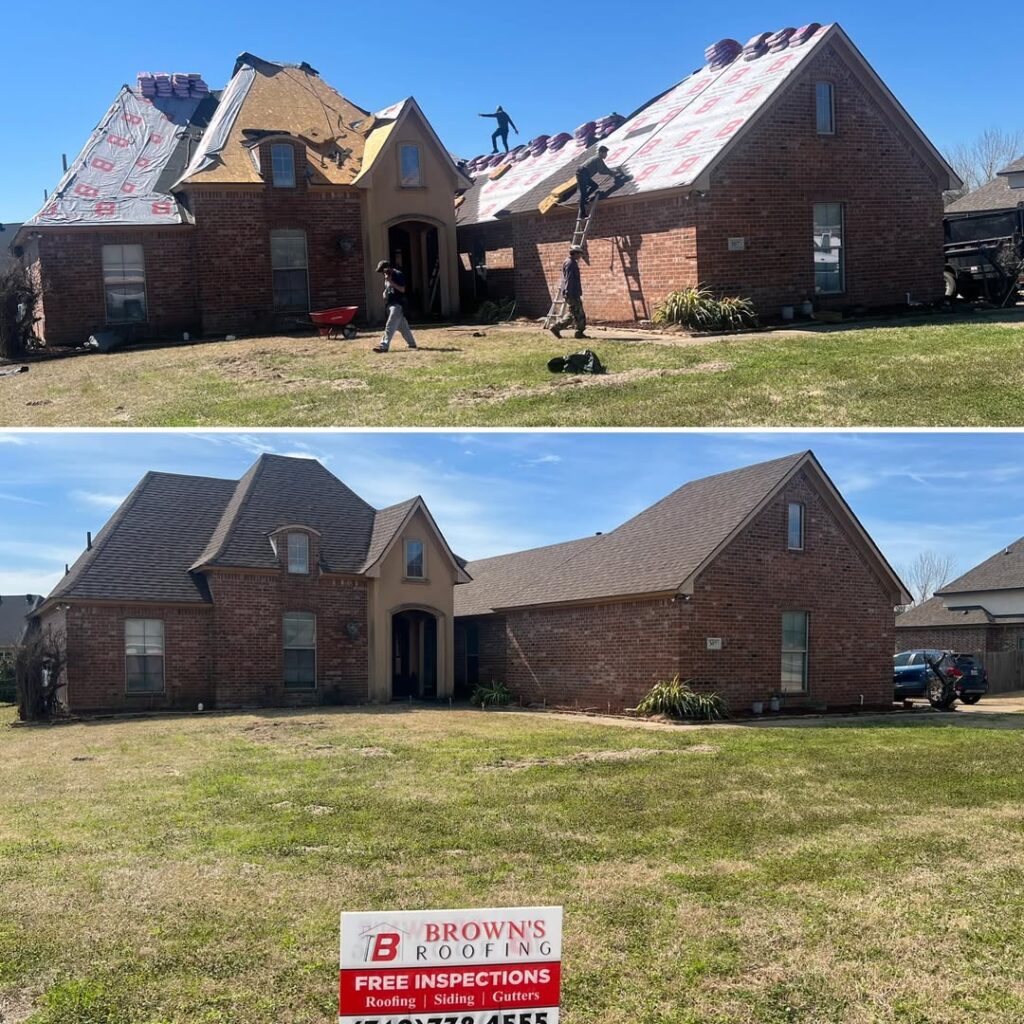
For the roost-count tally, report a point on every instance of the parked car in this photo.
(965, 677)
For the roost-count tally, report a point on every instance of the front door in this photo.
(413, 655)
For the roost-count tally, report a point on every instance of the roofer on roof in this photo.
(586, 172)
(571, 290)
(501, 132)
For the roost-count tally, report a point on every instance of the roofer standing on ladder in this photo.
(394, 301)
(501, 132)
(585, 174)
(572, 291)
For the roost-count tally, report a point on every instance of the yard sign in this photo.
(497, 966)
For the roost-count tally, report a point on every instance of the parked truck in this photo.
(984, 253)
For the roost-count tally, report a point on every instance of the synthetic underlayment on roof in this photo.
(669, 142)
(116, 177)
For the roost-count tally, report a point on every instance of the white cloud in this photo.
(104, 501)
(543, 459)
(21, 500)
(18, 439)
(21, 582)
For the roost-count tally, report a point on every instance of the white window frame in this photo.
(149, 635)
(108, 268)
(819, 109)
(423, 559)
(801, 511)
(285, 646)
(297, 565)
(282, 172)
(289, 233)
(784, 685)
(819, 246)
(415, 147)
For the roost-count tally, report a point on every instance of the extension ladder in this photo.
(560, 306)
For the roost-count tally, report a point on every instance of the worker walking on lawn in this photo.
(571, 289)
(585, 174)
(394, 301)
(501, 132)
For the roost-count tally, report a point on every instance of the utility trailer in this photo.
(984, 254)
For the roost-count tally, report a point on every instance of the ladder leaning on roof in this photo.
(560, 306)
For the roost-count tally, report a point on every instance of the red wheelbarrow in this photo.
(329, 321)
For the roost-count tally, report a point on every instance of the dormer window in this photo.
(298, 553)
(411, 168)
(282, 164)
(414, 560)
(795, 527)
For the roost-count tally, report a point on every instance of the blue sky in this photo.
(958, 493)
(551, 66)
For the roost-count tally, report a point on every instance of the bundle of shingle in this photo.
(179, 85)
(725, 51)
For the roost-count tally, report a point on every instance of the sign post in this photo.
(496, 966)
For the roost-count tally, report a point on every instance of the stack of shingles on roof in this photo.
(653, 553)
(172, 527)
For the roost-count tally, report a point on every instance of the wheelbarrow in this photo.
(330, 321)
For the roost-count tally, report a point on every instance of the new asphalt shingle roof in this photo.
(1003, 571)
(13, 609)
(934, 613)
(654, 552)
(154, 546)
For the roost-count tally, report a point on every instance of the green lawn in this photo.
(192, 869)
(967, 372)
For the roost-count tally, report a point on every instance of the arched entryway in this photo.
(414, 247)
(414, 654)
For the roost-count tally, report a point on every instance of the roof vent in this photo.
(1007, 551)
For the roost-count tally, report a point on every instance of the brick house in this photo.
(237, 211)
(15, 610)
(789, 172)
(981, 612)
(754, 582)
(281, 588)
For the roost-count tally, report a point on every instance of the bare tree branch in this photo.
(929, 572)
(977, 160)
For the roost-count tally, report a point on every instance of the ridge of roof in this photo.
(1003, 570)
(218, 539)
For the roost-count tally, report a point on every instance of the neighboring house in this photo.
(980, 612)
(753, 582)
(15, 610)
(790, 173)
(242, 210)
(281, 588)
(1004, 192)
(8, 232)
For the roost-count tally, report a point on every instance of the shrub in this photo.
(498, 311)
(8, 691)
(676, 699)
(18, 298)
(495, 695)
(38, 671)
(700, 309)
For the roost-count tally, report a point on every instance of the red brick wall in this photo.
(233, 249)
(70, 267)
(96, 673)
(248, 653)
(491, 664)
(765, 190)
(609, 655)
(977, 639)
(742, 595)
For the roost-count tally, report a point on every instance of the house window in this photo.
(414, 559)
(290, 270)
(298, 553)
(410, 165)
(829, 258)
(124, 283)
(299, 650)
(794, 652)
(825, 108)
(282, 165)
(472, 655)
(795, 527)
(144, 655)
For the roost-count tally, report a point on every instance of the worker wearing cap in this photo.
(585, 174)
(571, 290)
(394, 301)
(501, 132)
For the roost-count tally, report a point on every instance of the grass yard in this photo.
(192, 869)
(968, 372)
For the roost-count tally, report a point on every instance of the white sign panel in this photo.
(714, 643)
(490, 966)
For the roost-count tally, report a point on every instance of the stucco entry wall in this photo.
(391, 592)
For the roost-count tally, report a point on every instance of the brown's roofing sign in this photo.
(494, 966)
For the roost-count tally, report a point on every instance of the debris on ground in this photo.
(10, 371)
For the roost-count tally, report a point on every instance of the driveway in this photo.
(996, 704)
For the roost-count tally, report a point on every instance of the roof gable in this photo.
(1002, 571)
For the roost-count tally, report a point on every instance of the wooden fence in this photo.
(1005, 670)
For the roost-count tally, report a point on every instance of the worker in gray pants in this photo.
(394, 301)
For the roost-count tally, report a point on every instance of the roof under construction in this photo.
(672, 141)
